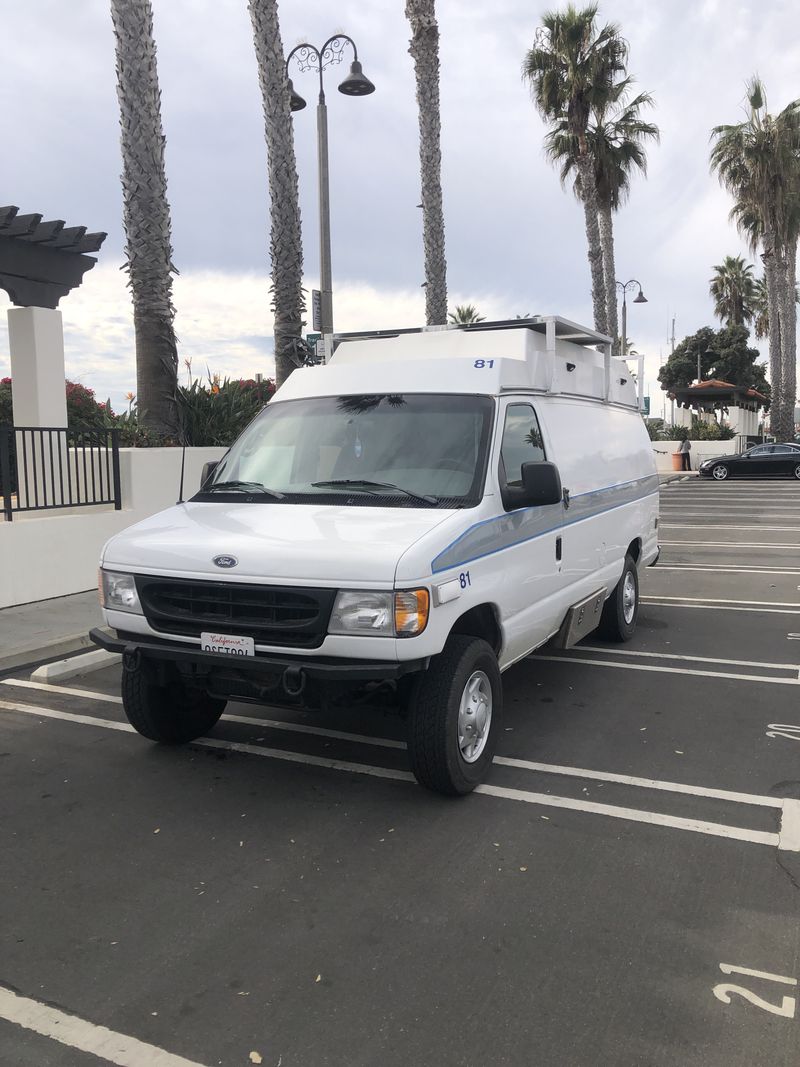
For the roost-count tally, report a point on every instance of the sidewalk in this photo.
(675, 476)
(47, 629)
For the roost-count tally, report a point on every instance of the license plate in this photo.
(228, 645)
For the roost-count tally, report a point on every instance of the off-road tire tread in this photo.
(151, 712)
(428, 731)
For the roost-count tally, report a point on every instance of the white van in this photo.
(407, 521)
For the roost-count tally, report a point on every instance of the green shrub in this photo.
(216, 413)
(699, 431)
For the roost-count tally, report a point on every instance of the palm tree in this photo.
(146, 215)
(424, 48)
(465, 314)
(760, 306)
(758, 161)
(616, 143)
(732, 288)
(286, 244)
(572, 69)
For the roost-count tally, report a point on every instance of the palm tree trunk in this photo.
(588, 191)
(606, 224)
(146, 215)
(286, 245)
(775, 355)
(788, 317)
(424, 49)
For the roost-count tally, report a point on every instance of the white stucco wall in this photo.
(51, 554)
(701, 450)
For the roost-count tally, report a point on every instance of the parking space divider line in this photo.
(665, 670)
(544, 799)
(693, 659)
(69, 1030)
(789, 833)
(737, 833)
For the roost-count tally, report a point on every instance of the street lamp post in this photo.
(308, 57)
(640, 299)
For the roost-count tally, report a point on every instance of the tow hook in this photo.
(131, 659)
(294, 681)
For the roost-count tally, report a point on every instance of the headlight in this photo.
(401, 614)
(118, 592)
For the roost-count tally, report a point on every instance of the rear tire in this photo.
(170, 714)
(720, 472)
(454, 719)
(621, 610)
(797, 472)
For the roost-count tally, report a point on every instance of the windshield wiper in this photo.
(245, 487)
(351, 483)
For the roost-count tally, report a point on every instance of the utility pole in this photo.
(672, 352)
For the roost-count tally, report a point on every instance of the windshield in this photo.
(395, 450)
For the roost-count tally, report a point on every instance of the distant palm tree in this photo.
(146, 215)
(424, 48)
(286, 243)
(732, 288)
(465, 314)
(616, 139)
(758, 161)
(573, 69)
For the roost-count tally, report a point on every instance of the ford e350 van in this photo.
(407, 521)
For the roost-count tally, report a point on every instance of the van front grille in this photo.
(271, 615)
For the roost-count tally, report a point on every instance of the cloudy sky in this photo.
(515, 240)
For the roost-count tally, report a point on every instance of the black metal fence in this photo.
(42, 468)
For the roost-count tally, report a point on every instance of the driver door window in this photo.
(522, 442)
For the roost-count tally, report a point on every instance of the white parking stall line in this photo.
(730, 544)
(686, 671)
(543, 799)
(737, 833)
(45, 687)
(713, 600)
(713, 568)
(789, 833)
(665, 603)
(725, 526)
(107, 1045)
(688, 659)
(508, 761)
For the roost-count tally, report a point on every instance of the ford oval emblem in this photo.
(225, 561)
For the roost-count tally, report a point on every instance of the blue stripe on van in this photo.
(501, 532)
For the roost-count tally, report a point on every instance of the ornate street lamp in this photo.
(640, 299)
(308, 57)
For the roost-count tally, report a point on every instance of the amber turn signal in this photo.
(411, 608)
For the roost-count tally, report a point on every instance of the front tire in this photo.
(797, 472)
(171, 714)
(720, 472)
(454, 719)
(621, 610)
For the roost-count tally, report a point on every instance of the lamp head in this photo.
(356, 83)
(296, 102)
(641, 298)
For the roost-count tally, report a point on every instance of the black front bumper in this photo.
(134, 647)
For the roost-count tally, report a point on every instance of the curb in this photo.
(62, 669)
(36, 651)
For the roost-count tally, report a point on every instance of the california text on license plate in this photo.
(227, 644)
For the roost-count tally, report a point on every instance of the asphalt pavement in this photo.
(624, 890)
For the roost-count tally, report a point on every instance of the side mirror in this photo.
(208, 470)
(541, 485)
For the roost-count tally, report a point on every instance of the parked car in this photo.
(402, 524)
(759, 461)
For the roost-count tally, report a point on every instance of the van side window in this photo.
(522, 441)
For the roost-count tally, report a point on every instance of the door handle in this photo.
(558, 549)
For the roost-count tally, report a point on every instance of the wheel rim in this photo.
(475, 716)
(797, 472)
(720, 473)
(629, 597)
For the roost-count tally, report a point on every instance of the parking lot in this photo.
(624, 890)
